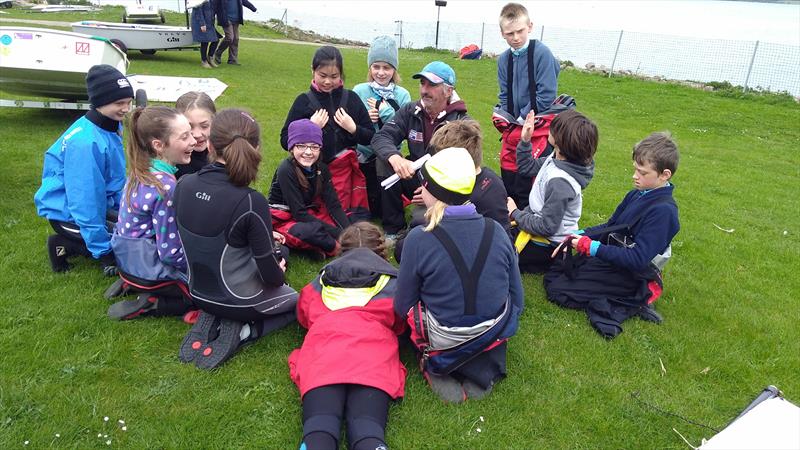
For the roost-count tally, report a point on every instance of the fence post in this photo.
(483, 27)
(750, 68)
(399, 33)
(285, 20)
(541, 35)
(614, 61)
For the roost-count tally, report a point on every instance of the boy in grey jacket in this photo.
(555, 201)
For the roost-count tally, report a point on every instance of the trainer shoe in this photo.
(131, 309)
(212, 63)
(205, 329)
(649, 314)
(219, 350)
(57, 251)
(205, 65)
(217, 59)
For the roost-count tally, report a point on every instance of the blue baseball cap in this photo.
(437, 72)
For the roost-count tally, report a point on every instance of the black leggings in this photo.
(207, 51)
(364, 408)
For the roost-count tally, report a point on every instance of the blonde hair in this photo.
(464, 133)
(146, 125)
(434, 214)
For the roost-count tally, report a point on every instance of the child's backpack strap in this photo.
(316, 105)
(531, 79)
(469, 277)
(313, 101)
(532, 75)
(392, 102)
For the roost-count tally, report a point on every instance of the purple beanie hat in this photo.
(304, 131)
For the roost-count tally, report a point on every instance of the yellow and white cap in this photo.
(449, 175)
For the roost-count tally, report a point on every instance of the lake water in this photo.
(694, 40)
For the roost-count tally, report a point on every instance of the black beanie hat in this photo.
(105, 85)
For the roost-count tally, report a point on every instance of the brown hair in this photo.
(512, 12)
(658, 150)
(235, 137)
(575, 136)
(195, 100)
(301, 176)
(364, 235)
(460, 133)
(146, 125)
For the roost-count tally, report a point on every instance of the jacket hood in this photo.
(582, 174)
(359, 267)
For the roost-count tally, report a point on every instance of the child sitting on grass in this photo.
(555, 202)
(349, 365)
(617, 274)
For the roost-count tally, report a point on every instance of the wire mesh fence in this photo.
(749, 64)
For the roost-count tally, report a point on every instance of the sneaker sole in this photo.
(222, 348)
(131, 309)
(197, 337)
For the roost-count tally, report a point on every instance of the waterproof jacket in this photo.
(82, 178)
(546, 77)
(203, 15)
(334, 138)
(352, 327)
(222, 11)
(409, 123)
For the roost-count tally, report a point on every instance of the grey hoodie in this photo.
(555, 199)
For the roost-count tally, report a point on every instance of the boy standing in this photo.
(618, 276)
(527, 73)
(84, 173)
(555, 202)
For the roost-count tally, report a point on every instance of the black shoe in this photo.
(131, 309)
(205, 329)
(219, 350)
(234, 63)
(117, 288)
(57, 251)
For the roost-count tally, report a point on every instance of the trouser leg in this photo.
(366, 411)
(233, 51)
(323, 408)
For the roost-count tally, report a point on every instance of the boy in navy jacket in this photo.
(617, 276)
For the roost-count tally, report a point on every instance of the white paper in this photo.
(392, 180)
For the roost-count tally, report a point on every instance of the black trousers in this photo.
(72, 233)
(393, 213)
(365, 410)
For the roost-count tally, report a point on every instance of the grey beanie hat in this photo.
(384, 49)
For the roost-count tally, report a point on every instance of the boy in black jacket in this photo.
(617, 276)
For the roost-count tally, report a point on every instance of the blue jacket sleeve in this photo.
(85, 186)
(502, 68)
(408, 279)
(547, 69)
(249, 6)
(655, 233)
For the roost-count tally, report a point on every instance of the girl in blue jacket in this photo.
(205, 32)
(382, 96)
(458, 284)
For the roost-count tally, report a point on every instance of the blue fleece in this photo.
(652, 234)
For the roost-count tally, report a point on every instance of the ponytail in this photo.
(434, 214)
(235, 137)
(146, 124)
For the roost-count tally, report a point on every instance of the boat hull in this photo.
(138, 36)
(52, 63)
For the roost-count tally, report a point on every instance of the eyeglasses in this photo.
(313, 148)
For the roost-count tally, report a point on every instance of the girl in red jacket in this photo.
(349, 365)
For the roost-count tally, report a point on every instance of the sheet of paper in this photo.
(389, 182)
(168, 89)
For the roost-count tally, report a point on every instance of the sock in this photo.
(245, 333)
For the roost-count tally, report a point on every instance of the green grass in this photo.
(730, 305)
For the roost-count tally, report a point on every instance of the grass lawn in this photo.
(730, 305)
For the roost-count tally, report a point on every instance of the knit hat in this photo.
(304, 131)
(105, 85)
(384, 49)
(437, 72)
(449, 175)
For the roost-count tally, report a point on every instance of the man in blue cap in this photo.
(415, 123)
